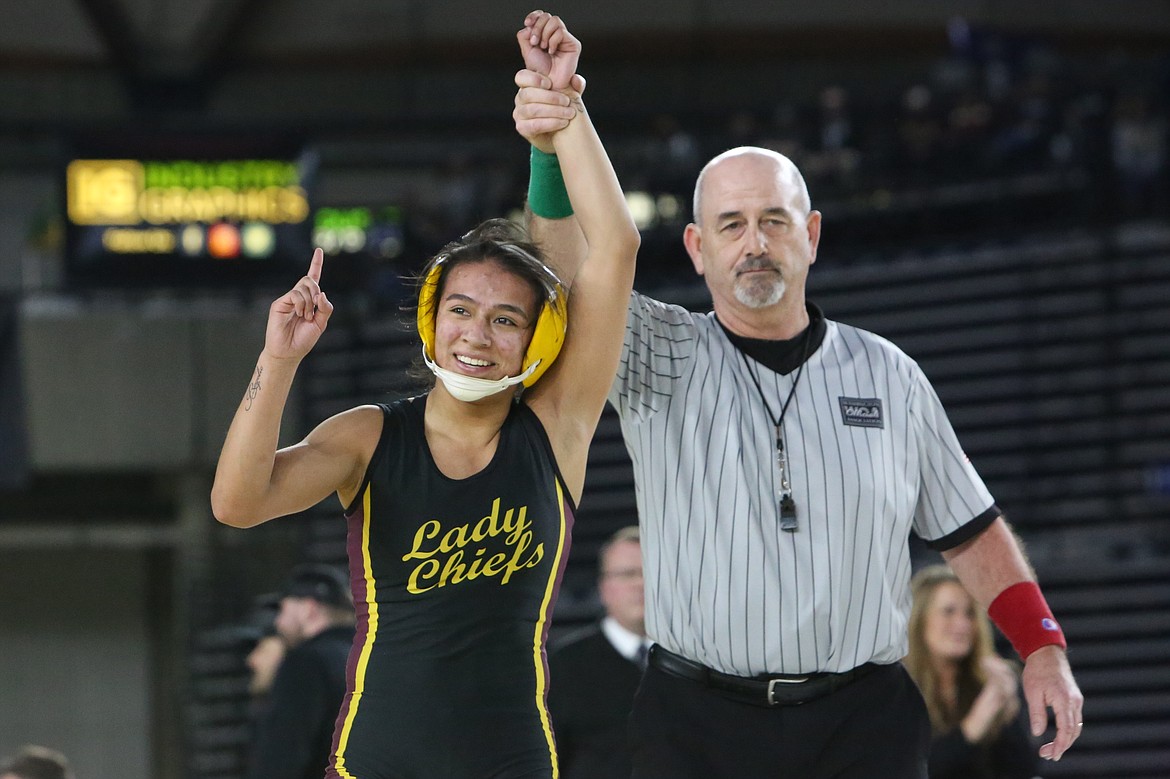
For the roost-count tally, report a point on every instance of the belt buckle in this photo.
(772, 687)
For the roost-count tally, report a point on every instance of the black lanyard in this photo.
(787, 504)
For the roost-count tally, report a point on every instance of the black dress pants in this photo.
(874, 728)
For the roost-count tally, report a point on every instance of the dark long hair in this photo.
(499, 240)
(493, 240)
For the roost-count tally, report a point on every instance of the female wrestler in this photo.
(459, 502)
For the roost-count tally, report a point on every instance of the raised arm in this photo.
(254, 482)
(994, 570)
(571, 396)
(537, 119)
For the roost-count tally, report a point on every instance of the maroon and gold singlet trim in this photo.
(539, 634)
(359, 681)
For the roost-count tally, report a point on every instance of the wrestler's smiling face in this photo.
(484, 320)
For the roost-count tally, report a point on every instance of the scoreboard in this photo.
(161, 220)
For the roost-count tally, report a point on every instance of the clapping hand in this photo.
(1003, 685)
(997, 703)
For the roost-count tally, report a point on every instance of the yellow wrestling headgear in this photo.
(551, 323)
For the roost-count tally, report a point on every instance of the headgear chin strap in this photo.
(547, 338)
(473, 388)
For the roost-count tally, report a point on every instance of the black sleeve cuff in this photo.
(967, 531)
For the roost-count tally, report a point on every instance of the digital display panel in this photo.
(154, 219)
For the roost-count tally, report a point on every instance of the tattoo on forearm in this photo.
(253, 389)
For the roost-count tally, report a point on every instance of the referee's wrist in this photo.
(1022, 615)
(547, 196)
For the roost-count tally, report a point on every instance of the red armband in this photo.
(1022, 614)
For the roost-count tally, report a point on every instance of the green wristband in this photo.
(547, 196)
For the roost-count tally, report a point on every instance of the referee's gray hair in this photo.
(787, 168)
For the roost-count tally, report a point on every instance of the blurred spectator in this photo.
(1139, 154)
(835, 161)
(675, 155)
(979, 728)
(316, 622)
(968, 131)
(742, 129)
(919, 135)
(1078, 139)
(835, 125)
(460, 202)
(595, 673)
(1021, 144)
(36, 762)
(785, 133)
(998, 73)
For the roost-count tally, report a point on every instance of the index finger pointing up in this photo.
(315, 265)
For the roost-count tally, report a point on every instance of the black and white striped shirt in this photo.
(871, 457)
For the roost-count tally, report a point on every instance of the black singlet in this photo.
(454, 583)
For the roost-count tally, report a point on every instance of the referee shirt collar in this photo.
(782, 356)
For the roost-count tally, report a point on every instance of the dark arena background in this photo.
(995, 186)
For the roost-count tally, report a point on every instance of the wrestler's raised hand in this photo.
(298, 317)
(549, 48)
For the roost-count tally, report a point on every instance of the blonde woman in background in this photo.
(979, 728)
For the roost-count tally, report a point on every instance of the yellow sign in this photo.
(104, 192)
(121, 240)
(129, 192)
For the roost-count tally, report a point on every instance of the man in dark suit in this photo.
(595, 672)
(316, 621)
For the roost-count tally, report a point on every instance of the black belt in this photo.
(769, 690)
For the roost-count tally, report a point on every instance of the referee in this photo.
(781, 461)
